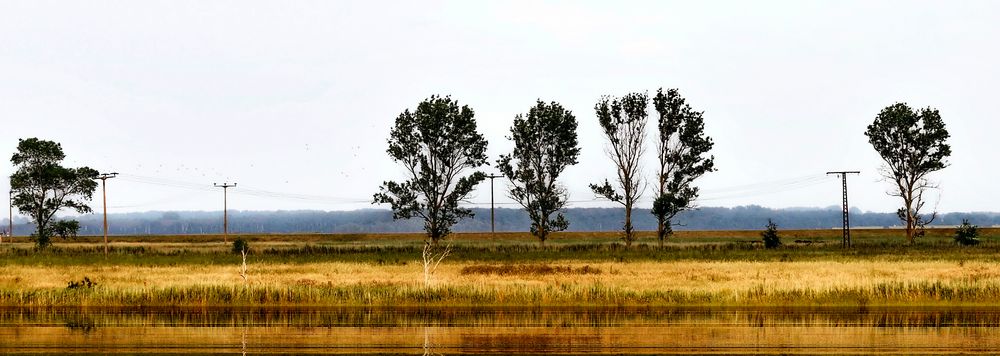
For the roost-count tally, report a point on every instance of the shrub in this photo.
(771, 239)
(967, 234)
(84, 283)
(240, 245)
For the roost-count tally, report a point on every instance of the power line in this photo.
(250, 191)
(761, 189)
(731, 192)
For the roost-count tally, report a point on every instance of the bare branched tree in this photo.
(431, 258)
(624, 124)
(243, 267)
(913, 145)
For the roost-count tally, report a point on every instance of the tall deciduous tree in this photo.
(913, 144)
(623, 121)
(545, 144)
(41, 187)
(437, 144)
(681, 149)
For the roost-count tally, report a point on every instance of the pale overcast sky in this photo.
(294, 100)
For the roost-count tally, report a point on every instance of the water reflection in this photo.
(438, 331)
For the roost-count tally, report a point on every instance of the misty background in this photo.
(507, 220)
(295, 100)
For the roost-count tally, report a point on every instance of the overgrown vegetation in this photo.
(694, 268)
(375, 294)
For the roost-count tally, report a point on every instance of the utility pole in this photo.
(225, 213)
(847, 218)
(104, 192)
(493, 224)
(10, 217)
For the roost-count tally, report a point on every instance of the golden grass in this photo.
(629, 283)
(527, 269)
(696, 268)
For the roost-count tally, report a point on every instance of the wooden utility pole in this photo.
(225, 209)
(847, 216)
(10, 217)
(104, 192)
(493, 224)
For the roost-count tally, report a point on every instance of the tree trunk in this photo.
(628, 224)
(661, 231)
(910, 219)
(910, 228)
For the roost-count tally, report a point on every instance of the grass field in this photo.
(712, 268)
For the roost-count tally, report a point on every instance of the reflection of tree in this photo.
(244, 342)
(82, 323)
(428, 346)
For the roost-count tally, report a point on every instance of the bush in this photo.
(967, 234)
(240, 245)
(771, 239)
(85, 283)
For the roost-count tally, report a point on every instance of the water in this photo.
(416, 331)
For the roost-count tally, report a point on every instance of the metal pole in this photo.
(10, 217)
(104, 194)
(225, 209)
(493, 225)
(847, 216)
(225, 215)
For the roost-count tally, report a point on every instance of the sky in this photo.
(294, 100)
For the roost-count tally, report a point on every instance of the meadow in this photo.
(695, 268)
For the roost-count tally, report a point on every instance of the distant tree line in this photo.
(516, 220)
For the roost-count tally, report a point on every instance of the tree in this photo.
(545, 144)
(624, 124)
(770, 235)
(41, 187)
(436, 144)
(913, 145)
(680, 148)
(967, 234)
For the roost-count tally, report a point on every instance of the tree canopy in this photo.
(41, 187)
(545, 143)
(913, 144)
(623, 121)
(681, 149)
(437, 144)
